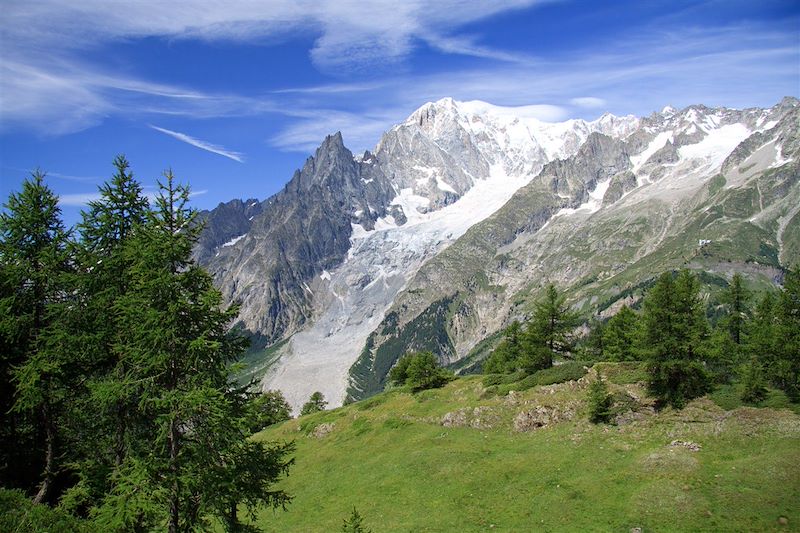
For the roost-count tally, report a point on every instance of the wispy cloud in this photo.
(589, 102)
(203, 145)
(78, 199)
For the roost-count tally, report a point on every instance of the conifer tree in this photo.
(355, 523)
(552, 322)
(620, 336)
(736, 299)
(674, 331)
(600, 401)
(761, 334)
(196, 462)
(105, 417)
(34, 257)
(505, 358)
(787, 366)
(315, 404)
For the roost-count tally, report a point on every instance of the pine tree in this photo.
(105, 420)
(269, 408)
(552, 322)
(599, 401)
(736, 299)
(315, 404)
(620, 336)
(33, 251)
(755, 387)
(674, 332)
(196, 462)
(354, 524)
(506, 357)
(761, 334)
(787, 365)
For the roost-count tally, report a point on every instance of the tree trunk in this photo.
(49, 459)
(174, 513)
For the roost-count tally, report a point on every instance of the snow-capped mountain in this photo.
(357, 252)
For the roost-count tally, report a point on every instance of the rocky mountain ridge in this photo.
(429, 228)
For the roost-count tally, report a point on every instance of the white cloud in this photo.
(203, 145)
(589, 102)
(78, 199)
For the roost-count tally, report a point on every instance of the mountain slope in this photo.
(606, 220)
(446, 231)
(458, 459)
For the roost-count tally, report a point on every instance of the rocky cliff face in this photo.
(601, 223)
(444, 232)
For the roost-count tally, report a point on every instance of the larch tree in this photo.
(105, 420)
(550, 327)
(196, 463)
(620, 336)
(674, 332)
(35, 261)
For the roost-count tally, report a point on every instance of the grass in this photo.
(393, 459)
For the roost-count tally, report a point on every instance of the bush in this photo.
(573, 370)
(19, 514)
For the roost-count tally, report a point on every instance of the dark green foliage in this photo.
(399, 372)
(35, 374)
(269, 408)
(315, 404)
(121, 350)
(736, 299)
(552, 322)
(428, 331)
(19, 515)
(674, 331)
(195, 461)
(545, 336)
(620, 336)
(755, 386)
(424, 372)
(599, 402)
(354, 524)
(419, 371)
(505, 357)
(592, 347)
(786, 370)
(569, 371)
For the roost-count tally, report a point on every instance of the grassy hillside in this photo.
(465, 459)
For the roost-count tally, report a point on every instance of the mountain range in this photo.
(449, 228)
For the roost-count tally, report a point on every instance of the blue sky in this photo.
(234, 95)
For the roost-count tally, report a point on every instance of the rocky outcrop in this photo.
(301, 231)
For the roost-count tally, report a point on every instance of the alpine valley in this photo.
(451, 226)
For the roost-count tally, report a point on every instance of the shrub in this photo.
(19, 514)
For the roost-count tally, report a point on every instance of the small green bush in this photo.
(569, 371)
(19, 514)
